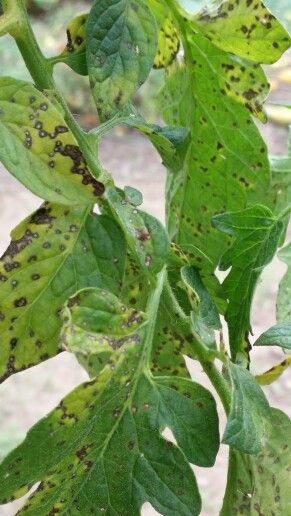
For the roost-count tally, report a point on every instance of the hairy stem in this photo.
(8, 20)
(42, 74)
(205, 355)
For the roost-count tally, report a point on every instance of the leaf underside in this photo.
(122, 42)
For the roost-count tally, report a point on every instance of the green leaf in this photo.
(173, 339)
(145, 235)
(261, 484)
(245, 28)
(161, 11)
(95, 324)
(284, 295)
(257, 233)
(74, 54)
(249, 420)
(122, 42)
(226, 166)
(105, 437)
(207, 309)
(205, 317)
(170, 142)
(133, 196)
(180, 398)
(281, 182)
(37, 147)
(279, 335)
(53, 253)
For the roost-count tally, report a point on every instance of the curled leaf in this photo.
(96, 323)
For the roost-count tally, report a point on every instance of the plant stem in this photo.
(285, 213)
(205, 355)
(42, 74)
(153, 303)
(98, 132)
(9, 19)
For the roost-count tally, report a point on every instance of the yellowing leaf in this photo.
(168, 44)
(75, 52)
(274, 373)
(37, 147)
(106, 436)
(245, 28)
(53, 253)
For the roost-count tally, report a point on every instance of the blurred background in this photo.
(29, 395)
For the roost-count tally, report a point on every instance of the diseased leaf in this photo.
(95, 324)
(53, 253)
(238, 490)
(107, 435)
(245, 28)
(279, 335)
(274, 373)
(74, 54)
(122, 43)
(249, 419)
(284, 295)
(231, 76)
(145, 235)
(261, 484)
(37, 147)
(173, 339)
(226, 166)
(257, 233)
(173, 336)
(168, 44)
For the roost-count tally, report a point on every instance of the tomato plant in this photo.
(129, 297)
